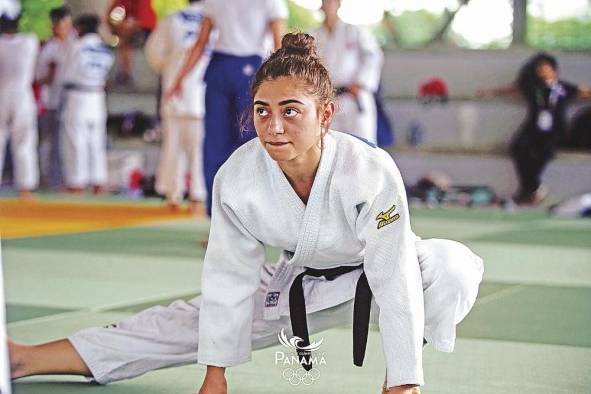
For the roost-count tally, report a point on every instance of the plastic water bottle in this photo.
(414, 135)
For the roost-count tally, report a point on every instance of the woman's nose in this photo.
(275, 125)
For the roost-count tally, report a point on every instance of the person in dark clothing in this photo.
(535, 143)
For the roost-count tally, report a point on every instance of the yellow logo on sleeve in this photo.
(386, 217)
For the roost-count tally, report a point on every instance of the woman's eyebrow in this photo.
(290, 101)
(259, 102)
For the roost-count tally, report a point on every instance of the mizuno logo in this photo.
(385, 218)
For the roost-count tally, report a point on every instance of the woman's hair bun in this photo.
(299, 44)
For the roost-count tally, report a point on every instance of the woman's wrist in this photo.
(404, 389)
(213, 371)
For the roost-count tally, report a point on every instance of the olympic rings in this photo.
(300, 376)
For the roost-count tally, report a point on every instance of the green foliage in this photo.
(35, 16)
(572, 33)
(301, 18)
(411, 29)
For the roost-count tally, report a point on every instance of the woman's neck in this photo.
(301, 171)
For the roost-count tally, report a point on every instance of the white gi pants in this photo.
(84, 147)
(18, 122)
(358, 117)
(182, 142)
(162, 337)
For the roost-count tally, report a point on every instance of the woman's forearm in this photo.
(197, 49)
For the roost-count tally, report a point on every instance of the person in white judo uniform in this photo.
(182, 115)
(84, 115)
(354, 61)
(336, 206)
(18, 112)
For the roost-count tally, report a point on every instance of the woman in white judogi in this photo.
(332, 202)
(354, 60)
(182, 116)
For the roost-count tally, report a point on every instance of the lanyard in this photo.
(556, 92)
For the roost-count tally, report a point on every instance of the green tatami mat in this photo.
(25, 312)
(527, 334)
(541, 314)
(166, 242)
(92, 280)
(476, 366)
(564, 236)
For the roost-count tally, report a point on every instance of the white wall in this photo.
(461, 124)
(465, 71)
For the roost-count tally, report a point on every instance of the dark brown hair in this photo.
(297, 58)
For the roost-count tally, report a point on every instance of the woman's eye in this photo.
(261, 111)
(290, 112)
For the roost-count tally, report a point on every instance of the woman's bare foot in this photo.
(26, 195)
(173, 207)
(97, 190)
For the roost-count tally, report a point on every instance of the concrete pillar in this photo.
(519, 22)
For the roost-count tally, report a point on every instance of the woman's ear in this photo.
(327, 113)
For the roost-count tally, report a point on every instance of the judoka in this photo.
(336, 206)
(18, 112)
(182, 115)
(83, 74)
(354, 60)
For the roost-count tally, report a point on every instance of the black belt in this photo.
(345, 90)
(361, 312)
(83, 88)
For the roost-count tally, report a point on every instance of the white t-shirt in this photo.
(52, 52)
(18, 53)
(243, 25)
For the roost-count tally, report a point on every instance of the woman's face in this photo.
(288, 119)
(546, 72)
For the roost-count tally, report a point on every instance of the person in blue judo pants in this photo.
(243, 28)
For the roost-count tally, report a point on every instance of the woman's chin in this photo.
(279, 154)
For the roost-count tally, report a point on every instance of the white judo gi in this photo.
(182, 115)
(18, 112)
(357, 213)
(351, 54)
(84, 114)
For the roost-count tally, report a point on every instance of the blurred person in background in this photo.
(182, 115)
(536, 141)
(50, 58)
(354, 60)
(243, 27)
(131, 21)
(18, 112)
(84, 74)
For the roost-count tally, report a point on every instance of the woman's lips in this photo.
(277, 143)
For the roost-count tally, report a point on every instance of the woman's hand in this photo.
(214, 381)
(406, 389)
(174, 90)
